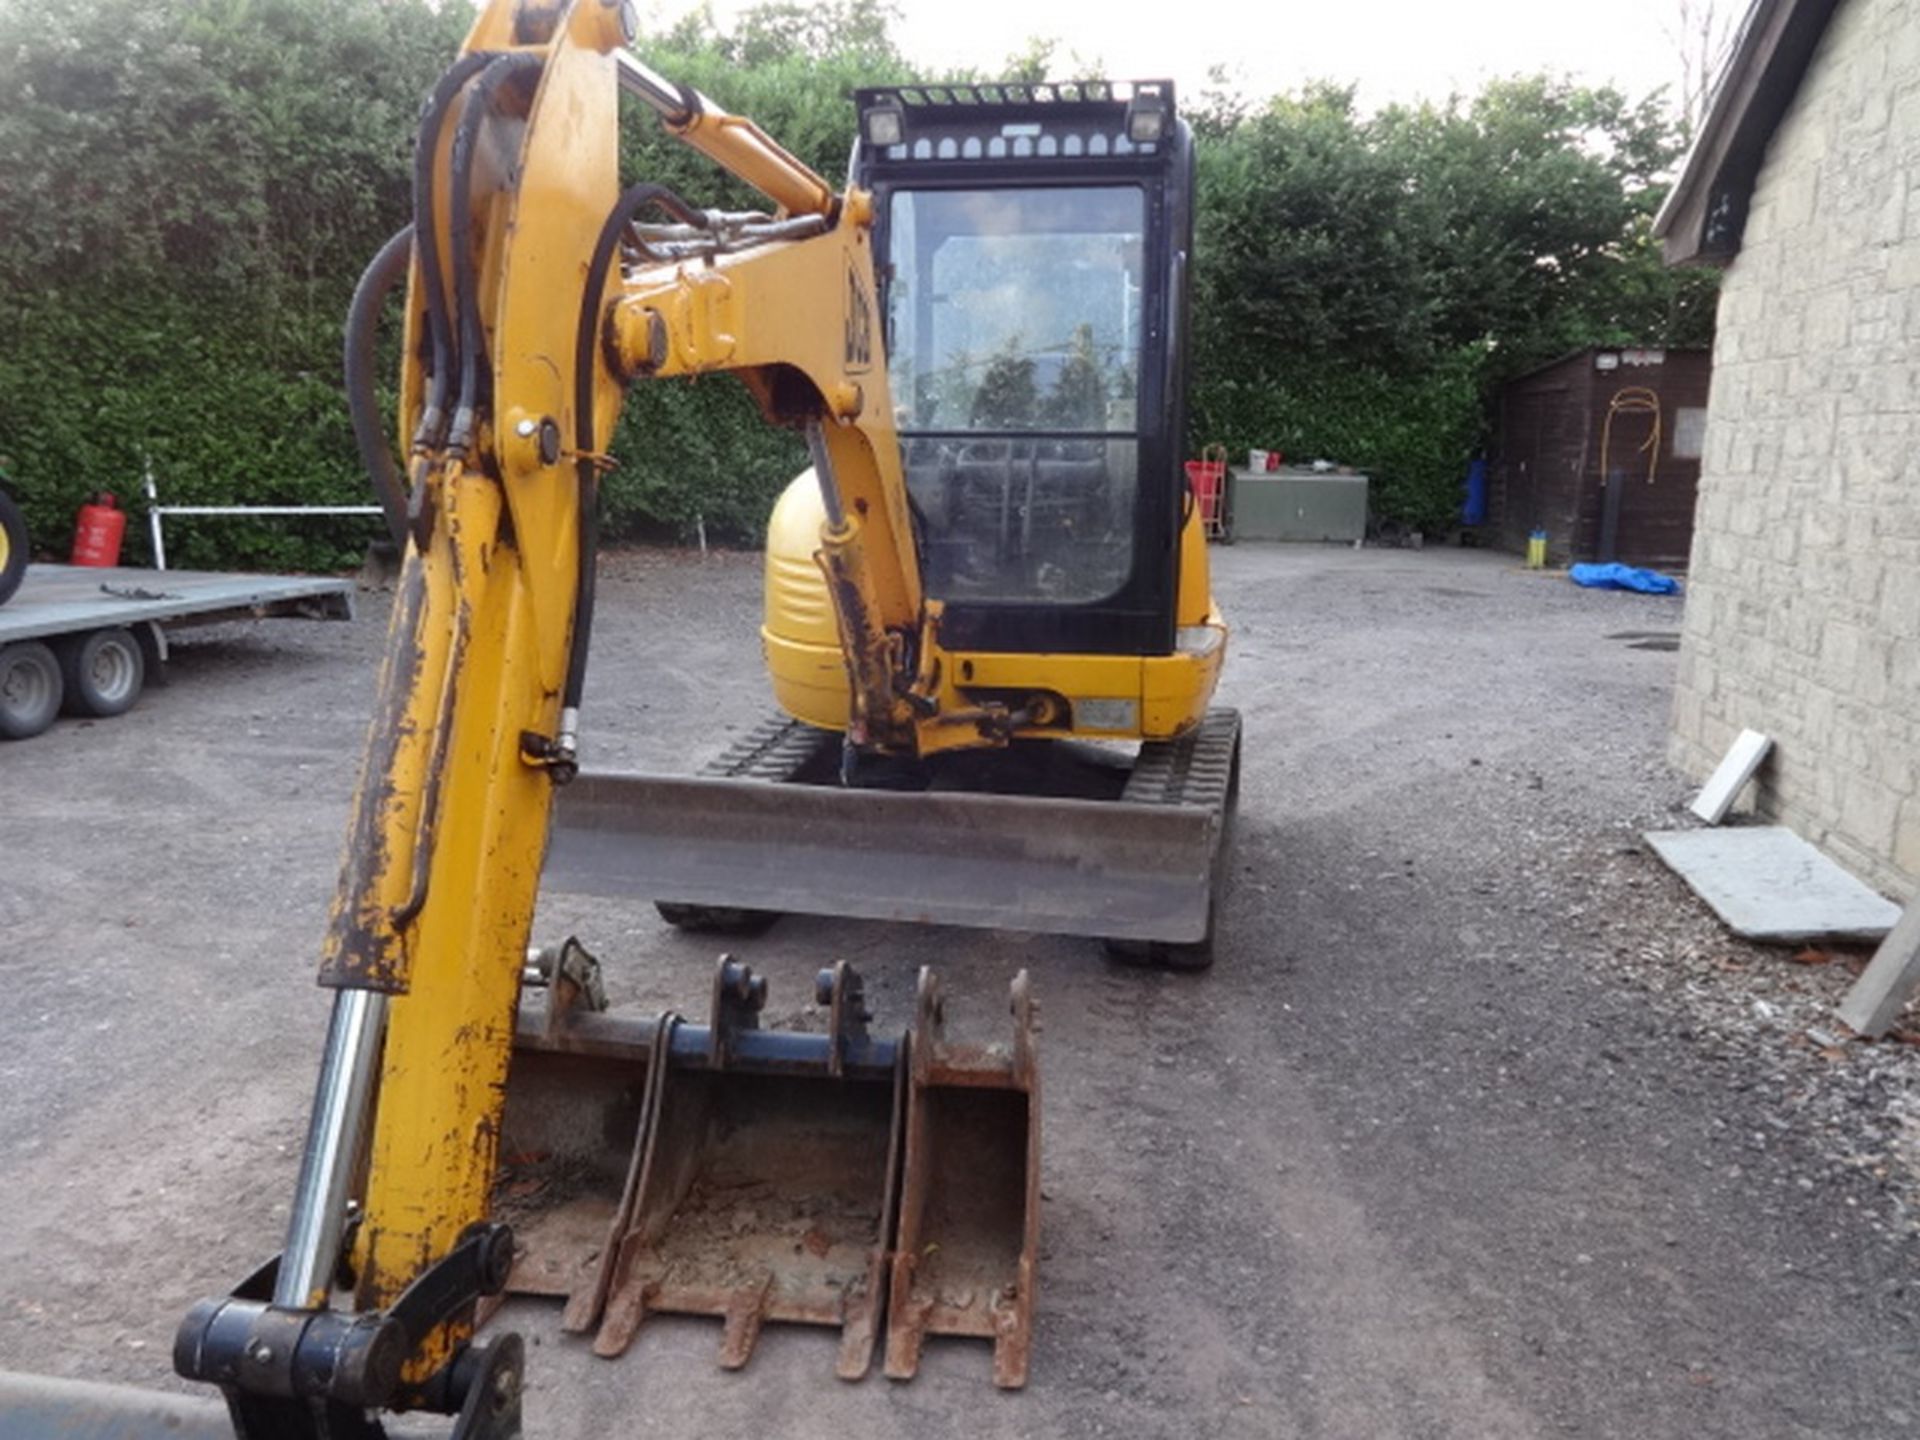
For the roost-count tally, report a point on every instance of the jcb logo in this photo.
(859, 350)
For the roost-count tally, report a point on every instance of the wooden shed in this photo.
(1601, 449)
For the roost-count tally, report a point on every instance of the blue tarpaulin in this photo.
(1616, 576)
(1474, 511)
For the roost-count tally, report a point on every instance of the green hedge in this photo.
(96, 394)
(1412, 434)
(189, 189)
(693, 451)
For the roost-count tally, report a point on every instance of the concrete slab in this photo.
(1730, 777)
(1768, 884)
(1885, 987)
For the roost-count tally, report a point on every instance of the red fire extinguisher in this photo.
(98, 532)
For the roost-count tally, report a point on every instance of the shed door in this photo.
(1647, 490)
(1536, 464)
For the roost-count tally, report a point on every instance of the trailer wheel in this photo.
(104, 671)
(13, 547)
(30, 689)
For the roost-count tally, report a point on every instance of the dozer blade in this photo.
(969, 1231)
(33, 1407)
(1115, 869)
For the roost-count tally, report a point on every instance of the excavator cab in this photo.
(1025, 252)
(1030, 252)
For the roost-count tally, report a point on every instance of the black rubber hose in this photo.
(630, 204)
(433, 414)
(471, 338)
(369, 431)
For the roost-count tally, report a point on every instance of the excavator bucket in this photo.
(576, 1115)
(970, 1198)
(766, 1188)
(652, 1165)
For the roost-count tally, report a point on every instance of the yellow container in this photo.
(1537, 550)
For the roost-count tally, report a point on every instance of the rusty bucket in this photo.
(969, 1230)
(579, 1096)
(766, 1187)
(860, 1182)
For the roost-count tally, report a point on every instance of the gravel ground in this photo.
(1480, 1127)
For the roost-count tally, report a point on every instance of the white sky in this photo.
(1394, 49)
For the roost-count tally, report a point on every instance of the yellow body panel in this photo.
(1193, 604)
(1169, 693)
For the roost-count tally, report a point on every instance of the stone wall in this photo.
(1803, 614)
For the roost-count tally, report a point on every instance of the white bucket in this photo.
(1256, 460)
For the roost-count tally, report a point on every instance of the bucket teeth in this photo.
(582, 1084)
(746, 1312)
(753, 1175)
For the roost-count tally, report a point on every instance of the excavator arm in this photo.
(788, 305)
(536, 292)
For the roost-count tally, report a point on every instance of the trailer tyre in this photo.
(104, 671)
(13, 547)
(30, 689)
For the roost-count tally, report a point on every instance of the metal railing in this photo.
(156, 512)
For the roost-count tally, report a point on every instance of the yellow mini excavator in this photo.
(999, 602)
(991, 559)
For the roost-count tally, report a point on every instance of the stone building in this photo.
(1803, 614)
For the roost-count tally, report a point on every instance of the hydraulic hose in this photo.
(369, 431)
(630, 204)
(471, 338)
(433, 414)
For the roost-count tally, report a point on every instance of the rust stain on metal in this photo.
(969, 1232)
(358, 947)
(429, 819)
(760, 1197)
(637, 1186)
(850, 610)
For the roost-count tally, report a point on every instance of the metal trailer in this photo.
(87, 640)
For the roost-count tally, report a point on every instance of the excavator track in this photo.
(778, 749)
(1200, 769)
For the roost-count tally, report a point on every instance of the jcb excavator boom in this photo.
(469, 1138)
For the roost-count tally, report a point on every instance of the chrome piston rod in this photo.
(347, 1070)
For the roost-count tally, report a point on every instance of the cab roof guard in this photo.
(1016, 93)
(966, 122)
